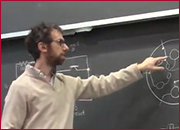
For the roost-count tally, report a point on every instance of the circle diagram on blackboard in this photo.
(165, 84)
(171, 126)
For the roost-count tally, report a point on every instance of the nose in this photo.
(65, 47)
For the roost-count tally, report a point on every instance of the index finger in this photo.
(161, 58)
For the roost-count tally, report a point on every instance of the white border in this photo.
(87, 26)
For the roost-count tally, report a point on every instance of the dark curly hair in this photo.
(39, 33)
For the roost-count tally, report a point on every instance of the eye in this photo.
(61, 41)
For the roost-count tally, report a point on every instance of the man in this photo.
(43, 99)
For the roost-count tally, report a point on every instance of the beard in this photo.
(52, 59)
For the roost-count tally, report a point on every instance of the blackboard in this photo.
(21, 15)
(146, 104)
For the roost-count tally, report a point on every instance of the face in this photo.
(56, 50)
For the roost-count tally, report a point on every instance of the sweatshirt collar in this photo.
(31, 70)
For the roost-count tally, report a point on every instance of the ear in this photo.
(42, 47)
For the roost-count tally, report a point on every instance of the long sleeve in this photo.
(15, 108)
(95, 87)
